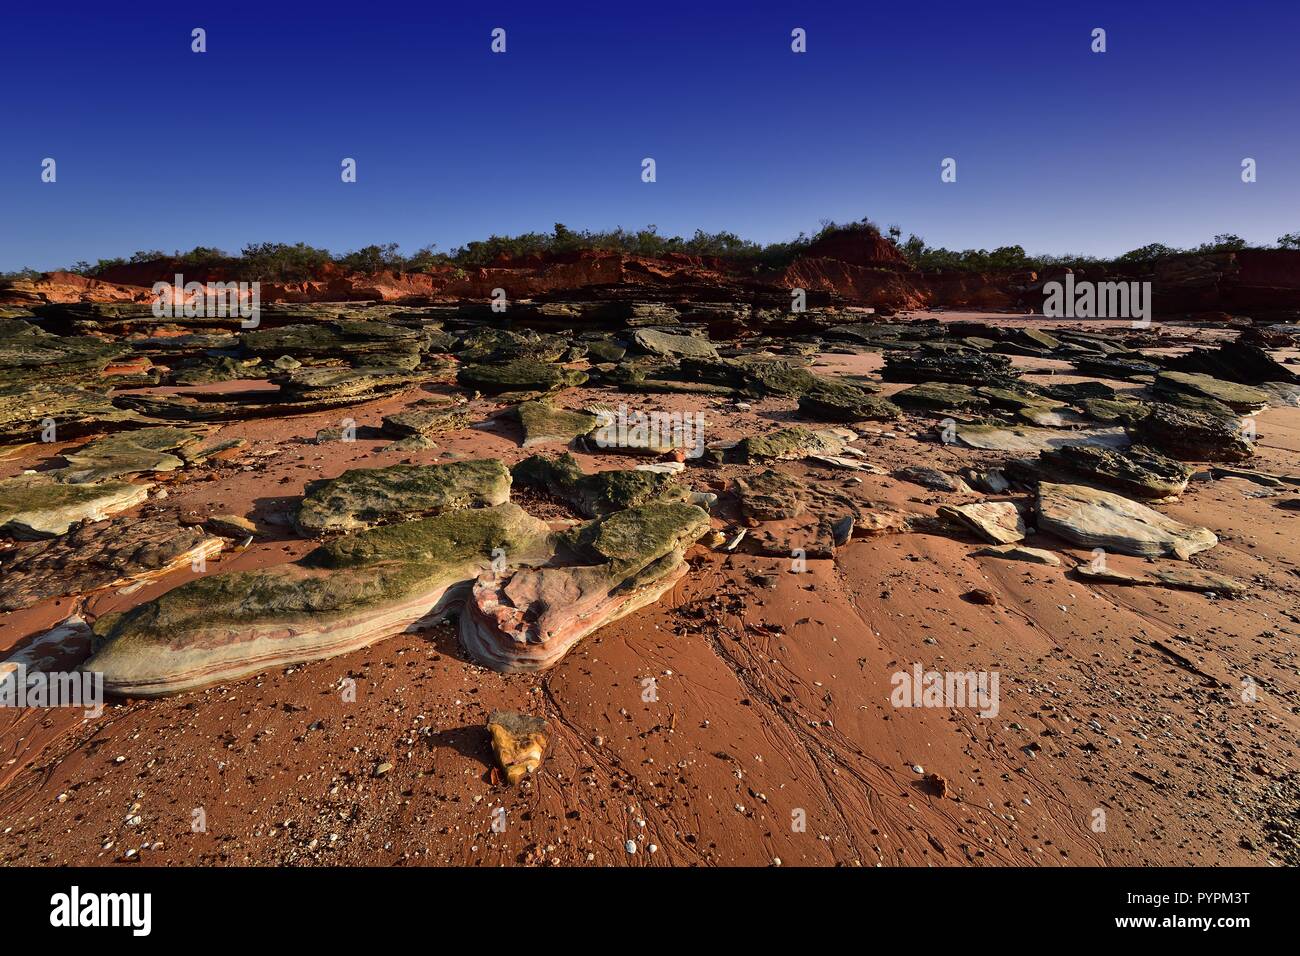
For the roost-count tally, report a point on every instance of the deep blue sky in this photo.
(1058, 149)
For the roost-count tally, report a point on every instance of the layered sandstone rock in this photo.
(528, 619)
(344, 595)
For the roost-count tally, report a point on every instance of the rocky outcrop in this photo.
(344, 595)
(771, 496)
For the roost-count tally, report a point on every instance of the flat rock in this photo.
(1019, 552)
(1094, 518)
(998, 522)
(543, 423)
(122, 551)
(428, 422)
(933, 478)
(789, 444)
(1240, 398)
(1029, 439)
(127, 453)
(771, 496)
(38, 506)
(674, 345)
(519, 375)
(362, 497)
(1178, 579)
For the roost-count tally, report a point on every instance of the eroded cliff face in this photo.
(848, 269)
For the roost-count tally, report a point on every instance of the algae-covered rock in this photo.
(362, 497)
(771, 496)
(600, 493)
(543, 423)
(1101, 519)
(491, 346)
(1137, 470)
(38, 506)
(27, 412)
(673, 345)
(788, 444)
(336, 338)
(30, 356)
(1240, 398)
(345, 595)
(941, 397)
(840, 402)
(1194, 436)
(519, 375)
(528, 619)
(127, 453)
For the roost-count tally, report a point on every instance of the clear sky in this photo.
(1057, 148)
